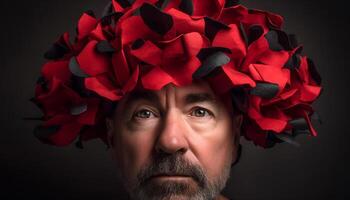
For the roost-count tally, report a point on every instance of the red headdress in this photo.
(156, 42)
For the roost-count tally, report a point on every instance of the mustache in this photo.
(172, 164)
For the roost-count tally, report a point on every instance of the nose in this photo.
(172, 135)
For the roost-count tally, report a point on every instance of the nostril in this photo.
(168, 149)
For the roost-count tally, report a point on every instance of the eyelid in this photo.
(203, 108)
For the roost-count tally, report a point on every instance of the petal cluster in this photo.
(151, 43)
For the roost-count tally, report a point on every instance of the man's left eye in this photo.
(200, 112)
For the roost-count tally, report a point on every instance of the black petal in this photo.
(125, 3)
(77, 110)
(108, 10)
(239, 99)
(78, 85)
(43, 83)
(186, 6)
(137, 44)
(293, 62)
(299, 124)
(255, 33)
(212, 27)
(206, 52)
(313, 72)
(155, 19)
(75, 68)
(161, 4)
(293, 40)
(212, 62)
(278, 40)
(265, 90)
(104, 47)
(243, 33)
(287, 138)
(230, 3)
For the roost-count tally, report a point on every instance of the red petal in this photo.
(132, 82)
(183, 23)
(233, 15)
(102, 86)
(92, 62)
(58, 69)
(275, 20)
(182, 47)
(237, 77)
(149, 53)
(156, 79)
(270, 74)
(85, 25)
(66, 135)
(311, 128)
(309, 93)
(128, 33)
(97, 33)
(89, 117)
(57, 99)
(255, 134)
(117, 7)
(220, 83)
(266, 123)
(181, 72)
(120, 68)
(255, 51)
(233, 40)
(211, 8)
(275, 58)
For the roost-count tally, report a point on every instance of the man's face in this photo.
(176, 143)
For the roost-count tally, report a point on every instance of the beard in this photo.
(196, 187)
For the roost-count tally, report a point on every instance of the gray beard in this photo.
(205, 189)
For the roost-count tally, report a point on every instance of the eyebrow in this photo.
(199, 98)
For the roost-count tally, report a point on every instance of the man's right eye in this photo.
(143, 114)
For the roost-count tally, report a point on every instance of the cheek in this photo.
(133, 150)
(214, 148)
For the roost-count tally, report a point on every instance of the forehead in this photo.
(197, 91)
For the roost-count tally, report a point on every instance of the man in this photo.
(188, 78)
(176, 143)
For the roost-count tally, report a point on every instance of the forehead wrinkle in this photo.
(142, 95)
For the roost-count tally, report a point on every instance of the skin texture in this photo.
(176, 143)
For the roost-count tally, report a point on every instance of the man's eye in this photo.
(200, 112)
(144, 114)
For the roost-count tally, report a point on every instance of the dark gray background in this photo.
(317, 170)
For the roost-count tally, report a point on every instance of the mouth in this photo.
(170, 176)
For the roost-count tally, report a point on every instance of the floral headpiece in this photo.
(152, 43)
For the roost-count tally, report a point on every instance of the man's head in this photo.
(176, 143)
(186, 130)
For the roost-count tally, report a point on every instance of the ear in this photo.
(110, 131)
